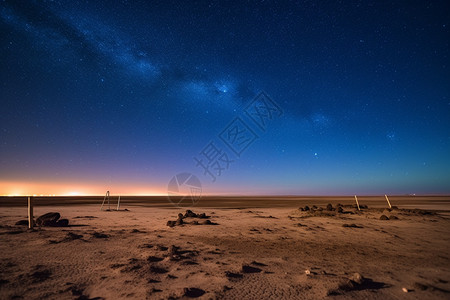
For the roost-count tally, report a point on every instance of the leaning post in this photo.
(387, 199)
(357, 204)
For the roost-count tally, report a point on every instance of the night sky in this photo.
(252, 97)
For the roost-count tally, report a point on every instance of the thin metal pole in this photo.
(118, 203)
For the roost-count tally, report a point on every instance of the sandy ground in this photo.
(249, 253)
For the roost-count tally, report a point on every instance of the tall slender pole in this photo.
(118, 203)
(356, 198)
(30, 213)
(387, 199)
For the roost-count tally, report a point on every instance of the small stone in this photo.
(356, 277)
(405, 290)
(233, 275)
(306, 208)
(193, 292)
(22, 223)
(250, 269)
(100, 235)
(190, 214)
(329, 207)
(384, 217)
(62, 223)
(307, 272)
(420, 286)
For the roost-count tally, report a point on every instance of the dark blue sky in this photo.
(124, 95)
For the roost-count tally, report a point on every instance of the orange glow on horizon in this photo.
(16, 188)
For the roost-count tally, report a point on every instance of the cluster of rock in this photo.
(339, 208)
(51, 219)
(190, 214)
(329, 207)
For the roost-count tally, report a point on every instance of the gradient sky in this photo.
(123, 95)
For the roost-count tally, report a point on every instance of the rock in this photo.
(22, 223)
(62, 223)
(347, 285)
(329, 207)
(206, 222)
(173, 250)
(190, 214)
(351, 225)
(100, 235)
(48, 219)
(202, 216)
(233, 275)
(193, 292)
(420, 286)
(179, 222)
(306, 208)
(157, 270)
(154, 259)
(73, 236)
(384, 217)
(171, 223)
(40, 276)
(393, 217)
(320, 209)
(405, 290)
(356, 277)
(180, 216)
(250, 269)
(340, 209)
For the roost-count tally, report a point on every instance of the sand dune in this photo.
(264, 251)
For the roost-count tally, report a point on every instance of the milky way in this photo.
(124, 96)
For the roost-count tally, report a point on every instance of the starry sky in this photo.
(251, 97)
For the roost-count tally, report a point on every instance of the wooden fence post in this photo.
(30, 213)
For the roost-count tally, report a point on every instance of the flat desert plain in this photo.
(242, 248)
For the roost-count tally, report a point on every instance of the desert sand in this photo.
(250, 248)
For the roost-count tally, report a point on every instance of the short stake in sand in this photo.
(357, 204)
(387, 199)
(30, 213)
